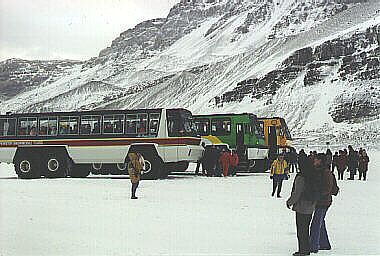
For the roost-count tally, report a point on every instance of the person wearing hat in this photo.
(278, 172)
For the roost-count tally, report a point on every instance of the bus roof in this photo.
(227, 114)
(89, 112)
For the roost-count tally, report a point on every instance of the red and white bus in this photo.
(61, 144)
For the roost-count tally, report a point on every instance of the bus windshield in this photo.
(181, 123)
(285, 128)
(189, 124)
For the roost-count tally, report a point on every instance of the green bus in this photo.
(240, 132)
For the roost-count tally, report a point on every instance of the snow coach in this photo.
(240, 132)
(277, 134)
(75, 144)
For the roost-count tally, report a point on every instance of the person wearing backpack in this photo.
(319, 239)
(303, 198)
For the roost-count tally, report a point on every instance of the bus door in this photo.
(239, 135)
(272, 142)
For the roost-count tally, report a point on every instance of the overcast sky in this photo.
(69, 29)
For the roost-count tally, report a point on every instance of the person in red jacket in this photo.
(234, 163)
(225, 160)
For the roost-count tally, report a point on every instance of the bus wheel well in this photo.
(143, 148)
(39, 151)
(153, 162)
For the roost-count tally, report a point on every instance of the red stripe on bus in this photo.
(106, 142)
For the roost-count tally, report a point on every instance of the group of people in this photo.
(352, 161)
(217, 162)
(343, 160)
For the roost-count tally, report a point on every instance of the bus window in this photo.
(48, 126)
(142, 124)
(277, 131)
(90, 125)
(281, 132)
(137, 124)
(173, 126)
(131, 124)
(239, 128)
(180, 123)
(247, 128)
(154, 120)
(27, 126)
(220, 126)
(203, 127)
(68, 125)
(113, 124)
(8, 127)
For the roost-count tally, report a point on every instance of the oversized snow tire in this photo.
(27, 166)
(55, 165)
(80, 170)
(181, 166)
(260, 165)
(153, 165)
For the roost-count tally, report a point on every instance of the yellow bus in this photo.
(277, 134)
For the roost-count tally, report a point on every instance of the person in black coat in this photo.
(363, 165)
(302, 159)
(304, 196)
(211, 160)
(334, 161)
(352, 162)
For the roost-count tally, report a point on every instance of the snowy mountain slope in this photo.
(314, 62)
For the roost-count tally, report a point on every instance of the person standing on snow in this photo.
(292, 160)
(201, 162)
(225, 160)
(135, 165)
(363, 165)
(341, 164)
(329, 158)
(352, 162)
(278, 172)
(234, 163)
(304, 196)
(334, 161)
(319, 239)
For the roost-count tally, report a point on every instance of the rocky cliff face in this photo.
(315, 62)
(17, 75)
(353, 60)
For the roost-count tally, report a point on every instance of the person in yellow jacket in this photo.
(135, 165)
(278, 172)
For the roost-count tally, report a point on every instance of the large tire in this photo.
(27, 166)
(80, 170)
(55, 165)
(154, 166)
(181, 166)
(252, 165)
(261, 165)
(99, 168)
(119, 169)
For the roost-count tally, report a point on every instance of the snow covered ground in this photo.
(183, 215)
